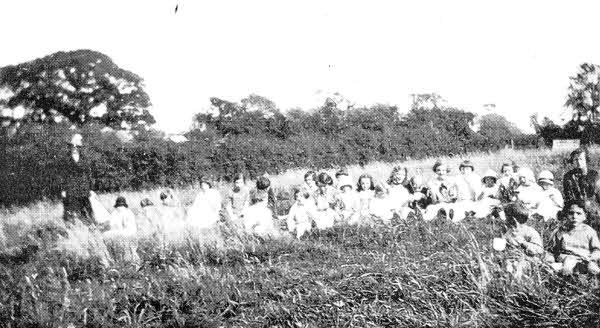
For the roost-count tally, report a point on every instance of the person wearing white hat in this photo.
(552, 200)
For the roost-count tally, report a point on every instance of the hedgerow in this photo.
(246, 142)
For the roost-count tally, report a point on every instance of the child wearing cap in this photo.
(346, 203)
(490, 188)
(301, 214)
(552, 200)
(576, 244)
(205, 211)
(489, 197)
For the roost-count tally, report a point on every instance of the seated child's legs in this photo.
(593, 268)
(569, 263)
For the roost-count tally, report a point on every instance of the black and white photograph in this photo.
(180, 163)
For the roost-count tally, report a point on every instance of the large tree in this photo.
(497, 128)
(584, 94)
(80, 86)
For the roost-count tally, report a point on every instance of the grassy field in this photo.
(409, 274)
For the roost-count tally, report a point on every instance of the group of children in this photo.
(323, 201)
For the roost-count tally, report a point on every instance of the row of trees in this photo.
(42, 100)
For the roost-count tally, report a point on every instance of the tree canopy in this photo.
(80, 86)
(583, 98)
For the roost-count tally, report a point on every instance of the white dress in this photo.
(205, 210)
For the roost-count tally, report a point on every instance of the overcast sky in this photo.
(515, 54)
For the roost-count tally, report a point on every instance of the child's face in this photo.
(399, 177)
(507, 170)
(204, 186)
(523, 181)
(239, 183)
(309, 180)
(579, 161)
(365, 183)
(416, 181)
(575, 215)
(489, 182)
(301, 198)
(346, 189)
(545, 185)
(441, 171)
(466, 170)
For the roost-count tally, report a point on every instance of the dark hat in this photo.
(466, 163)
(147, 202)
(205, 179)
(121, 201)
(263, 183)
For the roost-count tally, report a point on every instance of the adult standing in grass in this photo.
(581, 183)
(76, 186)
(76, 192)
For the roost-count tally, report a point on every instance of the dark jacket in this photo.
(577, 186)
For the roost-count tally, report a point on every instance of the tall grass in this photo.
(411, 273)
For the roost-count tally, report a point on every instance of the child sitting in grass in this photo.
(325, 198)
(347, 203)
(365, 193)
(381, 207)
(258, 217)
(490, 188)
(301, 215)
(552, 200)
(238, 199)
(397, 192)
(576, 245)
(522, 238)
(419, 198)
(310, 185)
(519, 234)
(528, 191)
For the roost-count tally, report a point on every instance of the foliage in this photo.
(81, 86)
(497, 128)
(584, 94)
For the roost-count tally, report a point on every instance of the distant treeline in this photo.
(238, 140)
